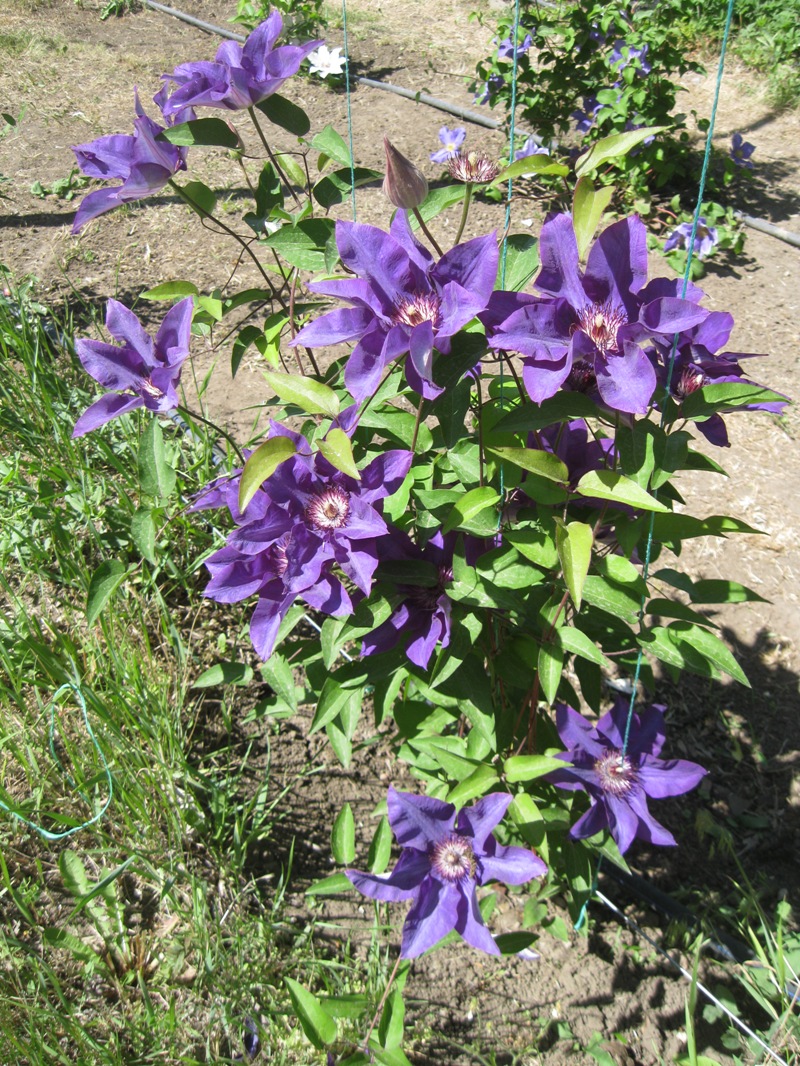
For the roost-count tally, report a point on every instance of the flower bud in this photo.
(404, 185)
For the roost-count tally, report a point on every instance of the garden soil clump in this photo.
(70, 79)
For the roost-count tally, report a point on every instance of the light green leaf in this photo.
(575, 641)
(312, 397)
(303, 245)
(608, 485)
(535, 461)
(530, 164)
(436, 201)
(203, 200)
(337, 187)
(574, 543)
(343, 836)
(521, 262)
(318, 1025)
(226, 673)
(332, 144)
(278, 675)
(390, 1030)
(156, 476)
(170, 290)
(726, 394)
(104, 583)
(331, 886)
(588, 205)
(264, 461)
(618, 144)
(479, 782)
(470, 504)
(212, 132)
(380, 850)
(550, 667)
(143, 532)
(338, 450)
(529, 767)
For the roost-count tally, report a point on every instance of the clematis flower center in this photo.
(416, 309)
(453, 858)
(146, 386)
(690, 380)
(473, 167)
(600, 323)
(426, 597)
(582, 377)
(615, 771)
(279, 556)
(328, 510)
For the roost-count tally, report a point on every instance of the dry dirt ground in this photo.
(74, 75)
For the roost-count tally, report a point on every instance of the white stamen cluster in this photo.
(328, 510)
(473, 167)
(616, 774)
(147, 386)
(600, 323)
(414, 310)
(453, 858)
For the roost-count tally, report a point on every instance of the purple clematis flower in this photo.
(619, 782)
(505, 50)
(241, 76)
(306, 519)
(444, 858)
(531, 147)
(452, 141)
(704, 240)
(586, 118)
(139, 372)
(699, 362)
(594, 319)
(144, 163)
(741, 150)
(490, 89)
(402, 302)
(624, 54)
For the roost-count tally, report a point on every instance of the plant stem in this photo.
(465, 212)
(187, 199)
(417, 421)
(384, 997)
(278, 168)
(186, 412)
(427, 232)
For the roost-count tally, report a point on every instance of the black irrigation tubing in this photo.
(452, 109)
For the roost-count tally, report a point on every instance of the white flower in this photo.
(325, 61)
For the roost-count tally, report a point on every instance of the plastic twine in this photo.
(75, 689)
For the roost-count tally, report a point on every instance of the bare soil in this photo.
(73, 77)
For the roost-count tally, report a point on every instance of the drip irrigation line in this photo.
(726, 947)
(689, 977)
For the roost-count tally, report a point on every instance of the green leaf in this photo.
(225, 673)
(699, 643)
(588, 205)
(535, 461)
(331, 143)
(143, 532)
(665, 608)
(291, 168)
(331, 886)
(284, 113)
(380, 850)
(578, 643)
(312, 397)
(170, 290)
(724, 396)
(608, 485)
(73, 874)
(530, 164)
(529, 767)
(104, 583)
(213, 132)
(278, 675)
(618, 144)
(390, 1030)
(303, 245)
(574, 544)
(336, 187)
(60, 938)
(550, 666)
(478, 783)
(471, 504)
(521, 262)
(343, 836)
(437, 201)
(268, 195)
(563, 407)
(264, 461)
(338, 450)
(156, 476)
(202, 199)
(318, 1025)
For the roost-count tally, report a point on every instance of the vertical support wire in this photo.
(349, 108)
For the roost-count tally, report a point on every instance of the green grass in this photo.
(142, 938)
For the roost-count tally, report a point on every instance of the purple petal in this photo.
(344, 324)
(617, 263)
(627, 381)
(266, 621)
(385, 474)
(558, 250)
(432, 917)
(470, 923)
(512, 865)
(648, 828)
(173, 338)
(329, 596)
(669, 777)
(595, 820)
(419, 255)
(403, 882)
(623, 821)
(364, 369)
(125, 326)
(671, 315)
(374, 255)
(539, 324)
(114, 367)
(421, 350)
(94, 204)
(103, 410)
(576, 732)
(419, 821)
(480, 819)
(473, 265)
